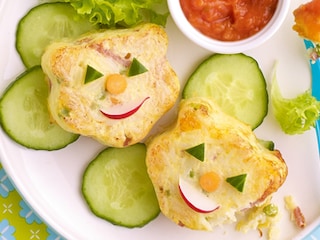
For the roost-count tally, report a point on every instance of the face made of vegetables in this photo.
(196, 196)
(209, 166)
(116, 83)
(208, 171)
(112, 85)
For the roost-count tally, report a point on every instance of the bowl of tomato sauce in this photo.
(229, 26)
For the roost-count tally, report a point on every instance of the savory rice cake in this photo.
(231, 153)
(120, 106)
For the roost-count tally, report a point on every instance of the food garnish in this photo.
(136, 68)
(58, 21)
(237, 181)
(122, 111)
(210, 181)
(25, 117)
(235, 82)
(122, 13)
(117, 188)
(195, 198)
(92, 74)
(267, 144)
(197, 151)
(115, 83)
(295, 115)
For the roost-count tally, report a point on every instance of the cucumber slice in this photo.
(235, 82)
(117, 187)
(46, 23)
(268, 144)
(25, 117)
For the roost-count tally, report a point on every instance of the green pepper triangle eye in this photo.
(92, 74)
(136, 68)
(197, 151)
(238, 181)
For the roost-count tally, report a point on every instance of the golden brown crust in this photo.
(231, 149)
(76, 106)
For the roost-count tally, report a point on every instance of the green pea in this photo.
(270, 210)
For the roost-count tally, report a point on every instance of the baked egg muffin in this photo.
(210, 166)
(111, 85)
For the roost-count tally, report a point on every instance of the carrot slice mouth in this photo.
(123, 111)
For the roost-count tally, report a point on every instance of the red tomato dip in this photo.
(229, 20)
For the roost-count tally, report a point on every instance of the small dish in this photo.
(220, 46)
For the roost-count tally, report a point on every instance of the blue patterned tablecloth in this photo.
(17, 220)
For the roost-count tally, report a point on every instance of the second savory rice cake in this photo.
(230, 149)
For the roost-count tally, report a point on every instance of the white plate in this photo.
(50, 181)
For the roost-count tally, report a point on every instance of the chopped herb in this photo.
(136, 68)
(92, 74)
(237, 181)
(197, 151)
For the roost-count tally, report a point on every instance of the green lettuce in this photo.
(122, 13)
(296, 115)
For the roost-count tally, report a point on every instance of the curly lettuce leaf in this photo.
(123, 13)
(296, 115)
